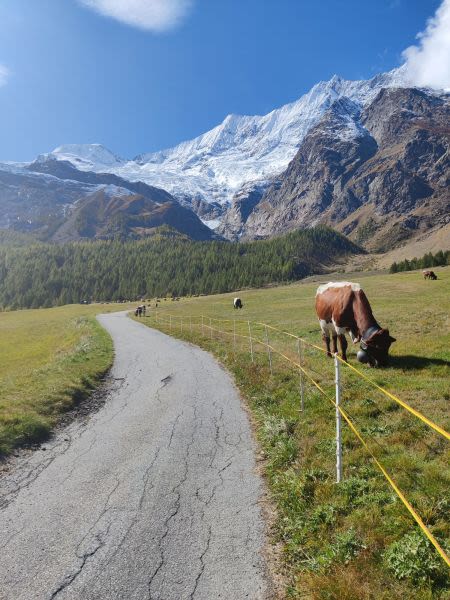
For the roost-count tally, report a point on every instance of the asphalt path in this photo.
(155, 496)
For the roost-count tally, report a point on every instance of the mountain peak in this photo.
(240, 150)
(85, 155)
(335, 79)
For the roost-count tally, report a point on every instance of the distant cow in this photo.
(342, 307)
(237, 303)
(429, 275)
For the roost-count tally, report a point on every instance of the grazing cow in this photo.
(237, 303)
(429, 275)
(342, 307)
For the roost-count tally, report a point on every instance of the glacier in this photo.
(241, 151)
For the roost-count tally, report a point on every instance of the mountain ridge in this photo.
(380, 175)
(214, 166)
(240, 178)
(55, 201)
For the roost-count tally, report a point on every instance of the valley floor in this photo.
(352, 541)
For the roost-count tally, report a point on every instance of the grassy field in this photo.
(353, 540)
(49, 360)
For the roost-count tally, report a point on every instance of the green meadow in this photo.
(353, 540)
(50, 359)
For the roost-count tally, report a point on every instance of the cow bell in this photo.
(362, 356)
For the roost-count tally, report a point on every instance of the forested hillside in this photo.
(43, 275)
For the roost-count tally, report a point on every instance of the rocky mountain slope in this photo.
(57, 202)
(242, 153)
(380, 174)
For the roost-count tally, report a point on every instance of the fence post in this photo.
(234, 335)
(190, 324)
(203, 330)
(338, 420)
(210, 328)
(251, 341)
(302, 384)
(268, 350)
(156, 316)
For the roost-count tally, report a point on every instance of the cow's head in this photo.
(375, 350)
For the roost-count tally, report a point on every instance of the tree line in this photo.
(43, 274)
(428, 260)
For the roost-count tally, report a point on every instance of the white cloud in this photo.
(154, 15)
(428, 63)
(4, 73)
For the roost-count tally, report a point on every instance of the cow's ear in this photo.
(391, 339)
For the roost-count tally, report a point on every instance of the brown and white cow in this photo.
(343, 307)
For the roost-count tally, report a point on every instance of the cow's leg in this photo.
(326, 339)
(354, 335)
(340, 332)
(335, 348)
(325, 327)
(344, 345)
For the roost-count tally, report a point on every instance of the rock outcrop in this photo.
(380, 175)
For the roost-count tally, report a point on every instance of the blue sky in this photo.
(69, 74)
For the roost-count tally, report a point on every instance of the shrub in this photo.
(413, 557)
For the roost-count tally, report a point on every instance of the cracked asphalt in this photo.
(154, 496)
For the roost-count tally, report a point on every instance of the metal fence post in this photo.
(338, 420)
(268, 350)
(251, 341)
(210, 328)
(156, 316)
(302, 383)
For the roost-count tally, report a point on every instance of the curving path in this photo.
(153, 497)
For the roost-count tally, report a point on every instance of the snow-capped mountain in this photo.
(362, 156)
(380, 175)
(87, 157)
(243, 149)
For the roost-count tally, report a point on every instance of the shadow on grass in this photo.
(409, 362)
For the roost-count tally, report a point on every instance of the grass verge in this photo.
(50, 360)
